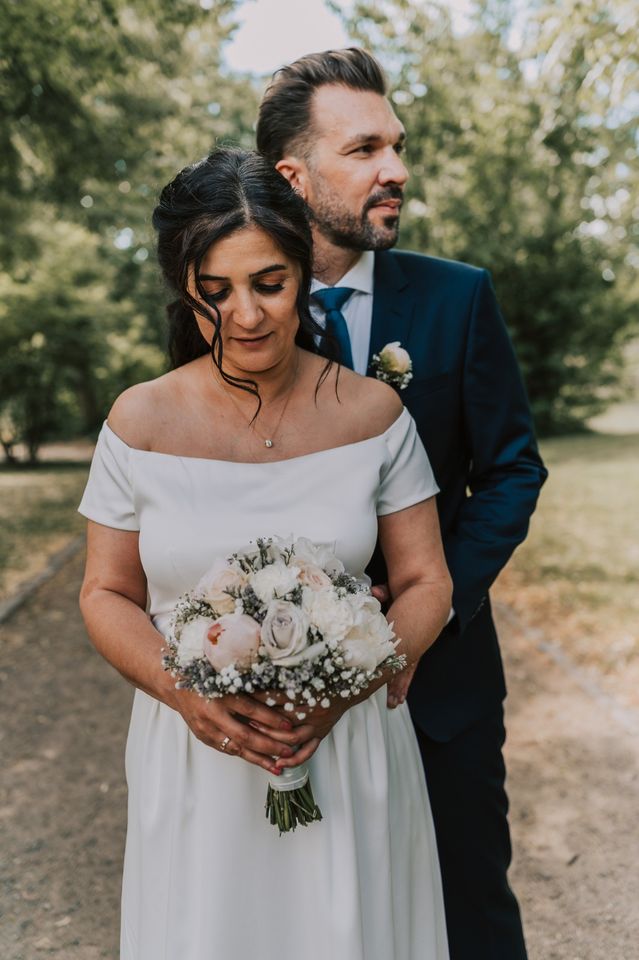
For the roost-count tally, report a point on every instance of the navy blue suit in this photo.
(470, 407)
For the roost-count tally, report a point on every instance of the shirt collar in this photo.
(359, 277)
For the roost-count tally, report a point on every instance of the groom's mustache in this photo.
(391, 193)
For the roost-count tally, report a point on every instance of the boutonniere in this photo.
(393, 365)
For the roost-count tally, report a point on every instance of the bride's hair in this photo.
(227, 191)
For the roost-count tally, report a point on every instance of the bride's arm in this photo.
(422, 589)
(419, 582)
(113, 601)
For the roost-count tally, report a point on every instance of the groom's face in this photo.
(352, 175)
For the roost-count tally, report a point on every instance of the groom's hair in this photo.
(284, 118)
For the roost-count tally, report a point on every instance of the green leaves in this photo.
(523, 152)
(102, 103)
(522, 147)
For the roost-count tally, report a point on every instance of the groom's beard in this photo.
(344, 229)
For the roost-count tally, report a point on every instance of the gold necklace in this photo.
(268, 441)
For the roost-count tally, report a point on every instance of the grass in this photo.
(37, 517)
(575, 577)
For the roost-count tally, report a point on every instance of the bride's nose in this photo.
(247, 312)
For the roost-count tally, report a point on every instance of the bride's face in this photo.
(254, 286)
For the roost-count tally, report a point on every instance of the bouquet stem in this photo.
(290, 801)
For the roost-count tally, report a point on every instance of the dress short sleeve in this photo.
(406, 476)
(108, 495)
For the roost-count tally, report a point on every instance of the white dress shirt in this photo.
(358, 309)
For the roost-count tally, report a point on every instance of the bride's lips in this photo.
(252, 343)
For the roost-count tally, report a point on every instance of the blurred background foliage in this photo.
(523, 159)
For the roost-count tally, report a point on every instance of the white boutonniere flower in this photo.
(393, 365)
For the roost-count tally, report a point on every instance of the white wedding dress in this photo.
(206, 877)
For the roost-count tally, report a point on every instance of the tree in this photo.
(521, 164)
(103, 101)
(65, 345)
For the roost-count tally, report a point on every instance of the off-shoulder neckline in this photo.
(257, 463)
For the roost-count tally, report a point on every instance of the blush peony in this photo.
(216, 581)
(232, 638)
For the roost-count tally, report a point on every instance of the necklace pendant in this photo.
(268, 443)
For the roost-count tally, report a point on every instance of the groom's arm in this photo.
(506, 471)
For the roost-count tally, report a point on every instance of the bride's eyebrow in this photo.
(258, 273)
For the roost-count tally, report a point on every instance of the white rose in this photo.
(285, 634)
(213, 586)
(360, 653)
(277, 579)
(370, 641)
(395, 359)
(191, 638)
(364, 606)
(318, 554)
(332, 616)
(232, 638)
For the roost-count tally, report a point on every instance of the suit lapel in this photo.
(392, 309)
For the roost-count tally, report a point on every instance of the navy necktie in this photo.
(331, 300)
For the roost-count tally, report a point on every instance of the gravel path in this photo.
(574, 787)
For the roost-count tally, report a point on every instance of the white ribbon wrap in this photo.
(290, 779)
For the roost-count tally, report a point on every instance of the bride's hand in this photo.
(316, 723)
(238, 726)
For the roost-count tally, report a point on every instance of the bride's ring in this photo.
(225, 743)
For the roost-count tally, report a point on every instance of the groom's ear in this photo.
(295, 172)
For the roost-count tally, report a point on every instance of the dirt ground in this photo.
(573, 758)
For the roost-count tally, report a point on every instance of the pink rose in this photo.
(285, 634)
(233, 638)
(312, 576)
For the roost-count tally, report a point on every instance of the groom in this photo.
(327, 126)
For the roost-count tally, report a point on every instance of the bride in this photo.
(253, 433)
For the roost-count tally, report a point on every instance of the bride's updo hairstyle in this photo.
(207, 201)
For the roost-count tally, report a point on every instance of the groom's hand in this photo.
(398, 686)
(381, 592)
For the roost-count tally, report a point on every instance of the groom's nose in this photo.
(392, 168)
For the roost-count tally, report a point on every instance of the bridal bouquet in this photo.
(285, 618)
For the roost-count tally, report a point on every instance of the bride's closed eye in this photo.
(217, 296)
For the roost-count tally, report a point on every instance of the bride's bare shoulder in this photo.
(369, 406)
(138, 414)
(379, 403)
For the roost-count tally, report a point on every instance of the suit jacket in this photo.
(471, 410)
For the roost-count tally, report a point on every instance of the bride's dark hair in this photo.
(206, 201)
